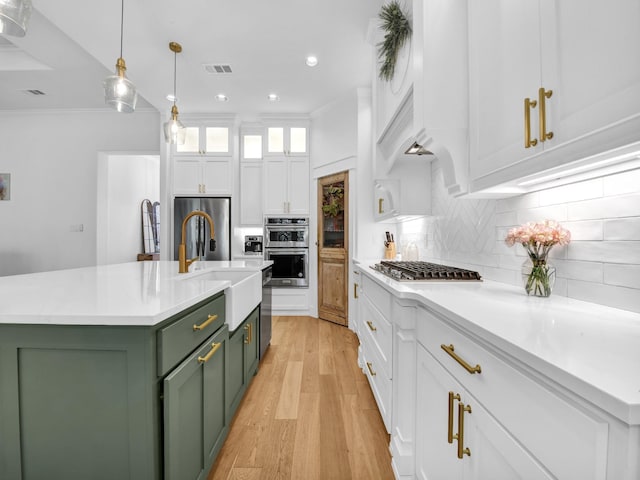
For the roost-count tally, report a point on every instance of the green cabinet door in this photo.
(252, 343)
(194, 410)
(243, 360)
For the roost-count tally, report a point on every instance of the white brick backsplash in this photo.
(622, 275)
(585, 230)
(571, 193)
(606, 251)
(521, 202)
(606, 207)
(506, 219)
(622, 229)
(553, 212)
(612, 296)
(626, 182)
(600, 265)
(575, 270)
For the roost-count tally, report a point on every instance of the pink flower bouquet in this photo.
(537, 239)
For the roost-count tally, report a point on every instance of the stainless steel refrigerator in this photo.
(197, 228)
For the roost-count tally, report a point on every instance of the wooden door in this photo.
(333, 247)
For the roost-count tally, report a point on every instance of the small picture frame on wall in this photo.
(5, 186)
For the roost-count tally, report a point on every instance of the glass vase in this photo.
(538, 276)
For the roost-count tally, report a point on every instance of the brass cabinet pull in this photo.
(380, 209)
(450, 350)
(462, 451)
(207, 357)
(542, 96)
(205, 324)
(371, 371)
(355, 290)
(249, 328)
(371, 326)
(452, 397)
(528, 105)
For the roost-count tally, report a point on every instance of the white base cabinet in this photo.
(459, 406)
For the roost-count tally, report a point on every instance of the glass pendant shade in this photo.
(120, 92)
(174, 131)
(14, 17)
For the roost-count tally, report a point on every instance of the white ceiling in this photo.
(77, 43)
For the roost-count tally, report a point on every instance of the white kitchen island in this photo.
(123, 371)
(556, 391)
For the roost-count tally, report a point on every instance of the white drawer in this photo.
(379, 382)
(378, 296)
(377, 331)
(570, 442)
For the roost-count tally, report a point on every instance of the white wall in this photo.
(600, 265)
(52, 158)
(130, 180)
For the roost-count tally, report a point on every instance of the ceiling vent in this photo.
(33, 92)
(217, 69)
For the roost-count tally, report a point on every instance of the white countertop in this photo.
(132, 294)
(591, 349)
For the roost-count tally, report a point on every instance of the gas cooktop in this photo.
(424, 271)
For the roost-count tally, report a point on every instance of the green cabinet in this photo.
(79, 402)
(195, 422)
(243, 360)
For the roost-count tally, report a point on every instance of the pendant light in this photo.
(174, 131)
(14, 16)
(119, 91)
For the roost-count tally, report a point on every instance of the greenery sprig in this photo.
(397, 26)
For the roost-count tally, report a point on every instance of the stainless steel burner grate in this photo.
(416, 271)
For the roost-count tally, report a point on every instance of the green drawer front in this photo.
(179, 339)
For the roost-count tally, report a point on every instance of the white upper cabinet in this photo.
(286, 185)
(206, 140)
(551, 82)
(289, 140)
(204, 163)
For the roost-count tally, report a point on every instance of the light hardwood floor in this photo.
(309, 413)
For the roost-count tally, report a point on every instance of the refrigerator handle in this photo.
(203, 241)
(198, 235)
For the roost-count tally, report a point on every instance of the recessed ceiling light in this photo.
(312, 61)
(172, 98)
(273, 97)
(221, 97)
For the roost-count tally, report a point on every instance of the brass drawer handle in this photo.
(450, 350)
(207, 357)
(460, 436)
(452, 397)
(205, 324)
(371, 327)
(249, 328)
(528, 105)
(371, 371)
(355, 290)
(380, 209)
(542, 97)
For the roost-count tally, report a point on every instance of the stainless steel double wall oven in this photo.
(287, 245)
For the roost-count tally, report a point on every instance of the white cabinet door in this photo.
(195, 175)
(590, 59)
(504, 69)
(217, 176)
(251, 193)
(298, 179)
(275, 185)
(187, 176)
(446, 411)
(436, 458)
(286, 187)
(583, 54)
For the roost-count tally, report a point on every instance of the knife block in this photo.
(390, 251)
